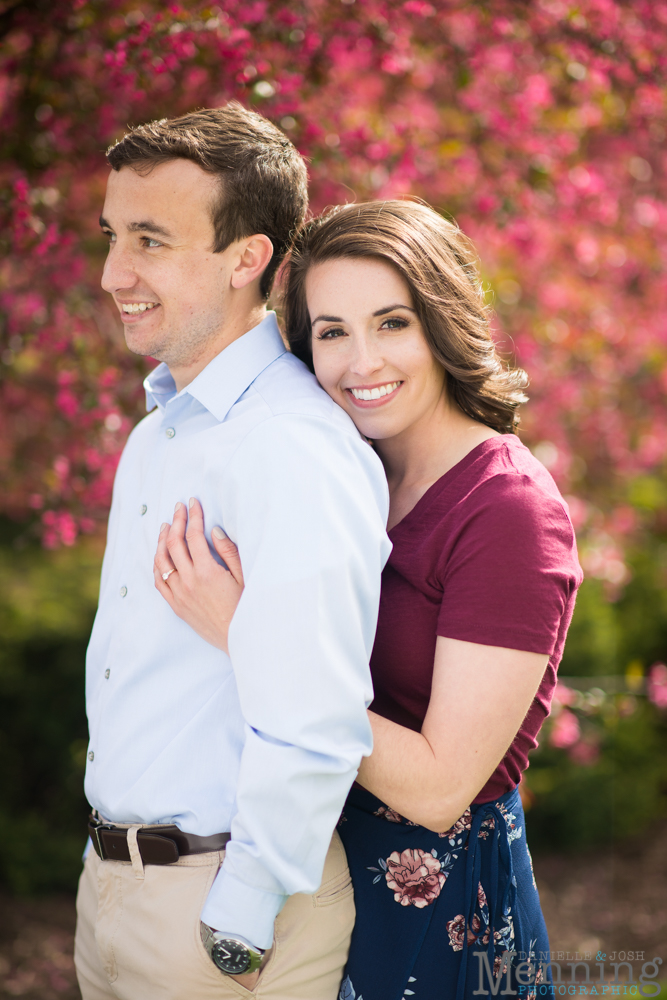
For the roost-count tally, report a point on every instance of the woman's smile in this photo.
(369, 349)
(368, 396)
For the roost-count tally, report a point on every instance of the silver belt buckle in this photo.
(97, 828)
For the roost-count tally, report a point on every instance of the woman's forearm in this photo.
(404, 772)
(479, 698)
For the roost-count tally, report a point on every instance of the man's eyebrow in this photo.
(388, 309)
(148, 226)
(145, 226)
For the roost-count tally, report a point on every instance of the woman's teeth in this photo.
(137, 307)
(376, 393)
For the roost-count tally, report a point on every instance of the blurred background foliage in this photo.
(47, 604)
(598, 779)
(541, 128)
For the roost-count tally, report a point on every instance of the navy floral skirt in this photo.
(442, 916)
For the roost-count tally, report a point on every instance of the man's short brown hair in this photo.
(263, 177)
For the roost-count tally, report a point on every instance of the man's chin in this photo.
(144, 347)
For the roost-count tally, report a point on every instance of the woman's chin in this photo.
(374, 423)
(374, 430)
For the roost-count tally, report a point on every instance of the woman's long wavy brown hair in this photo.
(438, 263)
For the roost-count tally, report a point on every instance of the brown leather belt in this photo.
(157, 845)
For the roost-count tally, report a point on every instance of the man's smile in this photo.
(136, 312)
(136, 307)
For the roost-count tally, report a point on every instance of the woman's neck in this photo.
(422, 453)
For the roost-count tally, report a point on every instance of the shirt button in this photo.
(107, 674)
(91, 755)
(143, 509)
(123, 591)
(170, 432)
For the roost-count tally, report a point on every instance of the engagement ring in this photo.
(165, 576)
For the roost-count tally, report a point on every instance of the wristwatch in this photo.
(233, 955)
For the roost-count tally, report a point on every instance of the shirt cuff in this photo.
(236, 908)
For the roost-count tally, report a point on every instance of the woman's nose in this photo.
(366, 359)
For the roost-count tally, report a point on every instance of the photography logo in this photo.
(532, 975)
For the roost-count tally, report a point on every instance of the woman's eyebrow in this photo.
(388, 309)
(379, 312)
(326, 319)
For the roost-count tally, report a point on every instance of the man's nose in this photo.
(118, 272)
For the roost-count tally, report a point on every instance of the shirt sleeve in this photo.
(508, 579)
(308, 510)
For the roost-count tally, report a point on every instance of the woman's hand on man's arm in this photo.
(479, 697)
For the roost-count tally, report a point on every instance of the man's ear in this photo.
(254, 254)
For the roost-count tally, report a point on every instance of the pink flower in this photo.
(415, 877)
(565, 731)
(389, 814)
(463, 823)
(656, 685)
(585, 753)
(488, 824)
(564, 695)
(419, 8)
(455, 929)
(67, 403)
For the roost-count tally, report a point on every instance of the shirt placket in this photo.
(143, 512)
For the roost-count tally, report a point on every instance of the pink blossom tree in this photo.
(540, 127)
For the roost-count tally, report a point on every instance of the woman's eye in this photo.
(331, 333)
(394, 323)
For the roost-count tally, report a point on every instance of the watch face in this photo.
(231, 956)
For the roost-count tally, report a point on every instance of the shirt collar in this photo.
(227, 376)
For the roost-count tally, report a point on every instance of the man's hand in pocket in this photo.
(249, 980)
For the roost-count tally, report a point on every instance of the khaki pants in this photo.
(138, 937)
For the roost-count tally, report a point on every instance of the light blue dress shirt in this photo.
(266, 742)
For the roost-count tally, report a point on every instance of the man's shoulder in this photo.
(299, 424)
(287, 386)
(299, 413)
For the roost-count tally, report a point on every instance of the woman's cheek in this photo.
(324, 373)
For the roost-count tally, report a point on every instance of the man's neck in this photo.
(183, 374)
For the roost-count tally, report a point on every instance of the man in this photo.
(216, 782)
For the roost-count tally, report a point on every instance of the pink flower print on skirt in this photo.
(415, 877)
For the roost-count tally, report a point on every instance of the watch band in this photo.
(231, 954)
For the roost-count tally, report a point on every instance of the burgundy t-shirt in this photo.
(488, 555)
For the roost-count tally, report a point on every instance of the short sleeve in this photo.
(509, 576)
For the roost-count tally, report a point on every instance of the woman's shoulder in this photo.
(500, 500)
(498, 504)
(514, 479)
(514, 509)
(502, 472)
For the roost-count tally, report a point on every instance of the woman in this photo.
(384, 303)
